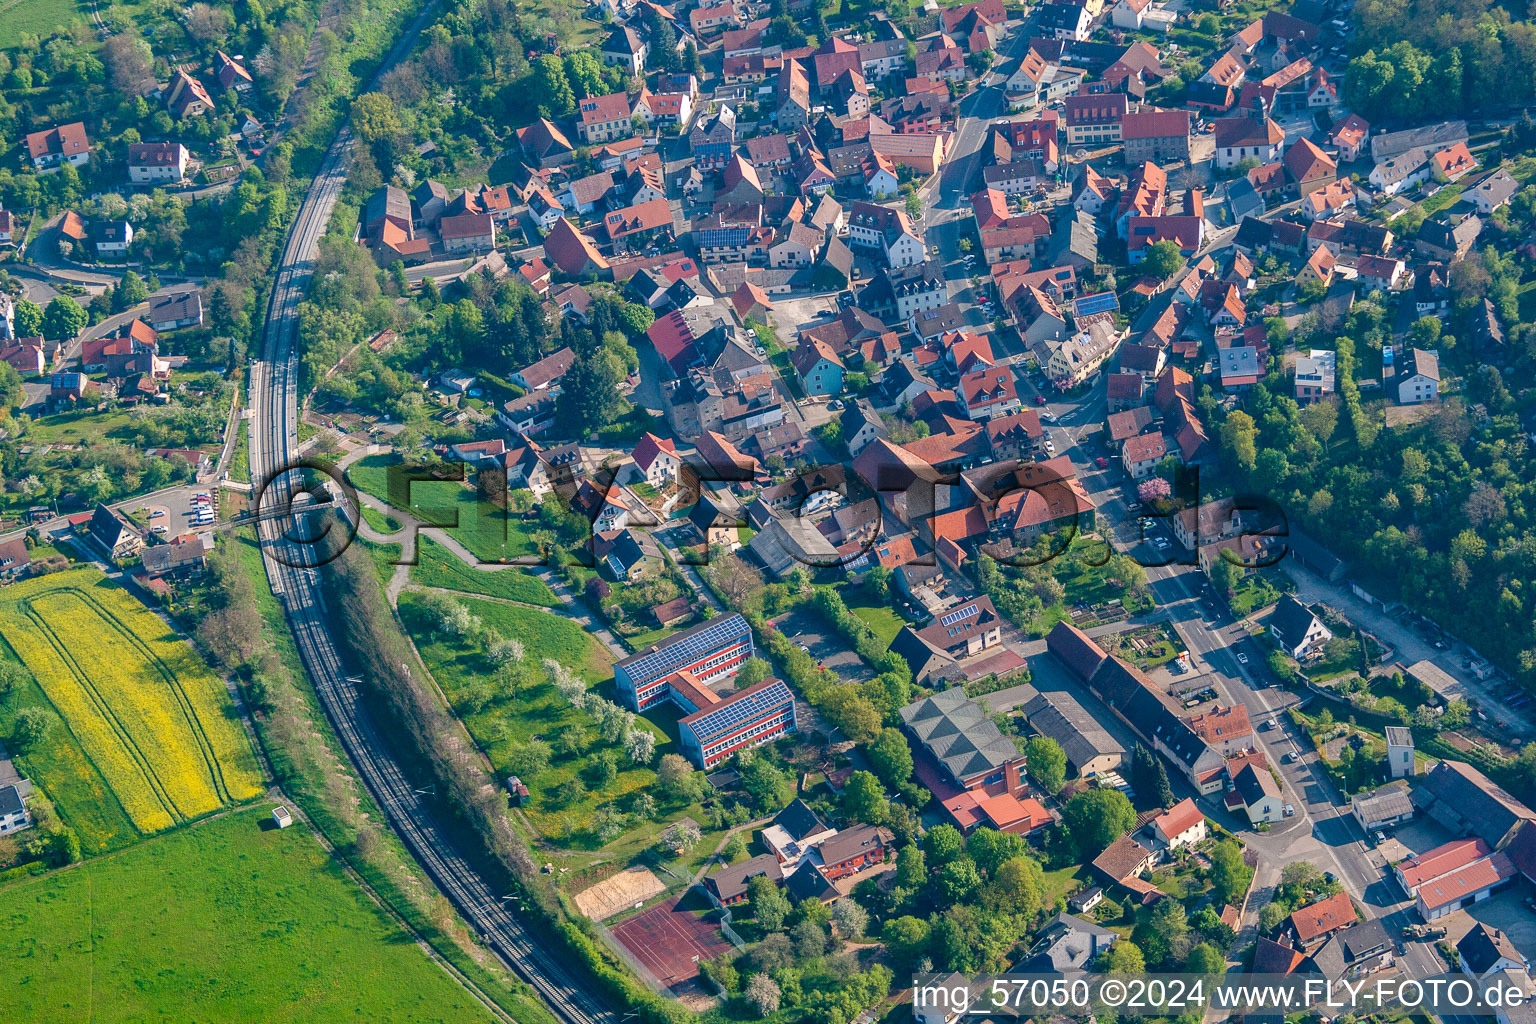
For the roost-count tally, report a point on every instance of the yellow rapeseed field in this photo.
(138, 699)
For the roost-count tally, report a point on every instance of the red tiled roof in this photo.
(1179, 818)
(1317, 920)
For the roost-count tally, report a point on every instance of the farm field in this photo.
(145, 734)
(223, 921)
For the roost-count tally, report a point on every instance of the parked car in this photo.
(1101, 462)
(1242, 659)
(1381, 838)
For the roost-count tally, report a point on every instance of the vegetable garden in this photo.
(137, 700)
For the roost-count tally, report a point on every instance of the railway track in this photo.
(273, 444)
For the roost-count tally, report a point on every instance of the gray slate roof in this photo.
(958, 733)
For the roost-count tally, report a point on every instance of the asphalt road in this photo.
(1321, 831)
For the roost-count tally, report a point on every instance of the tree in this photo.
(1205, 958)
(636, 319)
(550, 89)
(1149, 778)
(1310, 291)
(769, 787)
(1097, 818)
(130, 291)
(672, 772)
(914, 206)
(1163, 259)
(752, 672)
(864, 799)
(1239, 439)
(1124, 957)
(768, 904)
(763, 993)
(63, 319)
(851, 919)
(1047, 763)
(678, 838)
(942, 844)
(375, 117)
(1154, 489)
(29, 319)
(891, 757)
(1225, 575)
(1229, 874)
(1017, 886)
(590, 397)
(906, 938)
(957, 881)
(29, 729)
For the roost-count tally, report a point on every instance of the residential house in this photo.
(712, 140)
(1181, 825)
(886, 231)
(1315, 922)
(1420, 381)
(1141, 455)
(625, 49)
(1300, 633)
(156, 162)
(1316, 374)
(1094, 119)
(1494, 191)
(1161, 136)
(111, 239)
(468, 233)
(175, 310)
(604, 118)
(1486, 951)
(1244, 137)
(51, 149)
(819, 368)
(1256, 792)
(1349, 137)
(989, 392)
(186, 97)
(896, 294)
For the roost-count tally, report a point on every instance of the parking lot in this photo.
(805, 628)
(172, 513)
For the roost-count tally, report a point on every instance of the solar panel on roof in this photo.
(684, 648)
(955, 616)
(737, 713)
(1103, 302)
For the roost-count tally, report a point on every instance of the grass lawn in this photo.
(240, 461)
(1254, 592)
(538, 712)
(1444, 199)
(1062, 882)
(262, 926)
(438, 567)
(479, 525)
(379, 521)
(880, 617)
(37, 17)
(75, 427)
